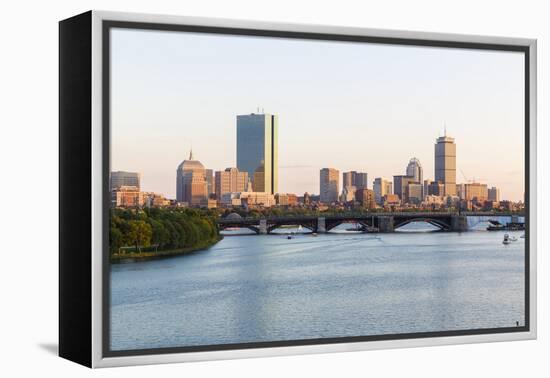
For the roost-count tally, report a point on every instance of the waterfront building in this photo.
(127, 196)
(366, 198)
(231, 180)
(381, 187)
(413, 193)
(329, 185)
(357, 179)
(414, 169)
(257, 136)
(445, 164)
(431, 200)
(191, 184)
(286, 199)
(475, 192)
(400, 183)
(307, 198)
(257, 199)
(248, 198)
(493, 194)
(391, 200)
(122, 178)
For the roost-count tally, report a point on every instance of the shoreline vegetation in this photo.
(143, 234)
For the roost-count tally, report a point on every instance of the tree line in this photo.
(163, 229)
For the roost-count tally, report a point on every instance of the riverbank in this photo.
(143, 256)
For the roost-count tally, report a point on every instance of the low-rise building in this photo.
(391, 200)
(286, 199)
(156, 200)
(366, 198)
(127, 196)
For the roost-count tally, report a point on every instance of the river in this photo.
(268, 288)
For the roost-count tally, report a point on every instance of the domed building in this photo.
(191, 183)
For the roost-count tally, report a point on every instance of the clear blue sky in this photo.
(350, 106)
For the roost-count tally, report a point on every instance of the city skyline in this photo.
(316, 130)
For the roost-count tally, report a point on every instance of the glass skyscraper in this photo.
(122, 178)
(257, 150)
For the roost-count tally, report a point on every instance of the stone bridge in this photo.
(372, 222)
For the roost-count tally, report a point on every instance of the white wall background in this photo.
(28, 185)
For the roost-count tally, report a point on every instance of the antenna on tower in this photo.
(444, 128)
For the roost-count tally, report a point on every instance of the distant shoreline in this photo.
(123, 258)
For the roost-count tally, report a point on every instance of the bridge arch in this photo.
(442, 225)
(332, 224)
(307, 225)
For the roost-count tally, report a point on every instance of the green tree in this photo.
(140, 234)
(116, 239)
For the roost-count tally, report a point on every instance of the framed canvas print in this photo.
(236, 189)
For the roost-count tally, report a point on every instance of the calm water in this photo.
(266, 288)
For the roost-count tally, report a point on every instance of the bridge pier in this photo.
(386, 224)
(321, 225)
(263, 227)
(459, 223)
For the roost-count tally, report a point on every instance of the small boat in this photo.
(506, 239)
(513, 238)
(313, 234)
(522, 236)
(289, 237)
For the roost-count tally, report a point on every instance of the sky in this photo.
(345, 105)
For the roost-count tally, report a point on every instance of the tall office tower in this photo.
(381, 187)
(400, 183)
(493, 194)
(191, 184)
(329, 185)
(257, 150)
(121, 178)
(445, 164)
(209, 173)
(414, 169)
(357, 179)
(230, 181)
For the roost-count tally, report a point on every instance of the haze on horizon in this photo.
(349, 106)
